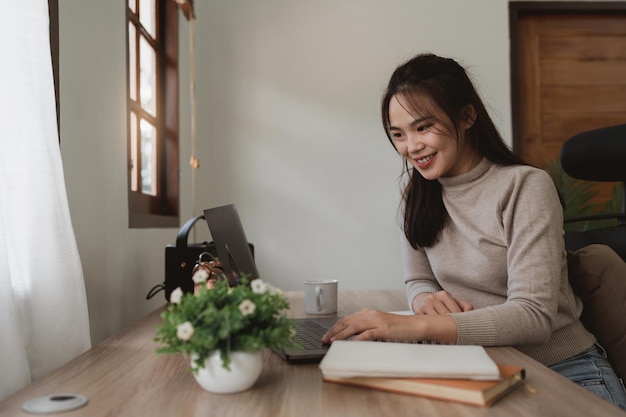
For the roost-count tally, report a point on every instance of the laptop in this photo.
(234, 252)
(231, 243)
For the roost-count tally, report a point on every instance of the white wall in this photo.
(289, 120)
(288, 128)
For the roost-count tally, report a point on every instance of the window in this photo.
(152, 58)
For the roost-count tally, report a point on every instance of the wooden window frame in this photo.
(162, 210)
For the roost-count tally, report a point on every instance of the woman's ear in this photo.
(468, 116)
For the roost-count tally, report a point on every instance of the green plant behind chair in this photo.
(577, 197)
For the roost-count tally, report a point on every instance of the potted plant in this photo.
(224, 330)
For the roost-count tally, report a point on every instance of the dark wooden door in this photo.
(569, 75)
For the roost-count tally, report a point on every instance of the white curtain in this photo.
(43, 308)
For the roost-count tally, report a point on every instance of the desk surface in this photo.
(122, 376)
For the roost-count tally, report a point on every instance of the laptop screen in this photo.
(231, 243)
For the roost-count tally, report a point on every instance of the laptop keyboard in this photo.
(309, 335)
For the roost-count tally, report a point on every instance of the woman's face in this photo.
(428, 144)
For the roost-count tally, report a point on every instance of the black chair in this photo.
(598, 155)
(595, 272)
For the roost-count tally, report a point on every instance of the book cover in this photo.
(407, 360)
(465, 391)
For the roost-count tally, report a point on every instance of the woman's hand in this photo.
(440, 302)
(374, 324)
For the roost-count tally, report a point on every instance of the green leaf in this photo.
(577, 198)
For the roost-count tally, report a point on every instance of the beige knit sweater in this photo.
(503, 252)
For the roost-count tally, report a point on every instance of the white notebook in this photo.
(346, 359)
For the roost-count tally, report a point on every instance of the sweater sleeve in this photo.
(531, 219)
(418, 275)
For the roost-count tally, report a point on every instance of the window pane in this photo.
(133, 151)
(132, 5)
(147, 76)
(132, 61)
(148, 157)
(147, 15)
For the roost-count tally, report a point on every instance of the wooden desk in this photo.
(123, 376)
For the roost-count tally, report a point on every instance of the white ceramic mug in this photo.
(320, 296)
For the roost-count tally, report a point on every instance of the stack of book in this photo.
(463, 374)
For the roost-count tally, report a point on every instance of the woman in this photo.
(483, 246)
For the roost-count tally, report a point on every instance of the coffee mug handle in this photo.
(318, 298)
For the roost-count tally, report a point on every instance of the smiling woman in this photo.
(433, 147)
(449, 108)
(483, 247)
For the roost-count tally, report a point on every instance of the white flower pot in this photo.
(245, 369)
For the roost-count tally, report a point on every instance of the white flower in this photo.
(274, 290)
(200, 276)
(258, 286)
(247, 307)
(176, 295)
(184, 331)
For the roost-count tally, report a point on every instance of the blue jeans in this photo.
(592, 371)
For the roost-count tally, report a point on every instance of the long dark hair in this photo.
(443, 83)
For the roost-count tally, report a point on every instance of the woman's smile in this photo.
(425, 162)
